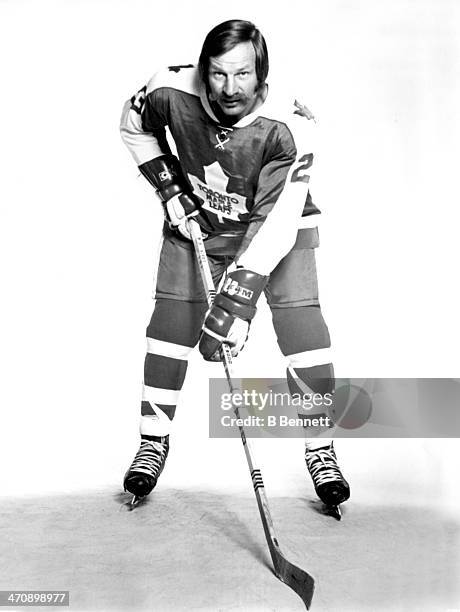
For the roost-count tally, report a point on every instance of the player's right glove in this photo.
(230, 316)
(179, 201)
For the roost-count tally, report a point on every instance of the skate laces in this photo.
(322, 465)
(149, 458)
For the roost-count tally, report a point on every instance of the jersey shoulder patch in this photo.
(183, 78)
(179, 67)
(295, 120)
(303, 111)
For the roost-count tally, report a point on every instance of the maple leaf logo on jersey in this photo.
(214, 193)
(303, 110)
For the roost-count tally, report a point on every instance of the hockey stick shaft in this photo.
(293, 576)
(227, 361)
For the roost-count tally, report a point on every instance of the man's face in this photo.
(232, 79)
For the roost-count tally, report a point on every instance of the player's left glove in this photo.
(231, 314)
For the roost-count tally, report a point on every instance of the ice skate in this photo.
(330, 485)
(146, 468)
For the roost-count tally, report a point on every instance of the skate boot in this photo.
(330, 485)
(147, 466)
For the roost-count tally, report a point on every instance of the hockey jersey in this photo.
(253, 177)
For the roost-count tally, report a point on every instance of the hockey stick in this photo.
(296, 578)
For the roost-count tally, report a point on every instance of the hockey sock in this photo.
(312, 445)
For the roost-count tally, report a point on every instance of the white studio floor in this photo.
(198, 544)
(206, 551)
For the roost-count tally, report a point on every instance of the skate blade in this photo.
(334, 511)
(136, 501)
(133, 503)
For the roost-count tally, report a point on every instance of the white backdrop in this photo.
(79, 230)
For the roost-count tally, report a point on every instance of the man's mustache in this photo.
(215, 97)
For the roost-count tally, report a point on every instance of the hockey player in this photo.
(241, 169)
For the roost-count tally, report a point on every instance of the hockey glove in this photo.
(230, 316)
(179, 201)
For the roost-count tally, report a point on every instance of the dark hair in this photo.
(227, 35)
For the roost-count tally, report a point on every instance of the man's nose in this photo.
(230, 86)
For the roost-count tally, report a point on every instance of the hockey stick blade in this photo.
(299, 581)
(293, 576)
